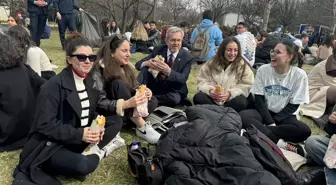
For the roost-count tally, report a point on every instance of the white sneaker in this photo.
(148, 133)
(113, 145)
(94, 149)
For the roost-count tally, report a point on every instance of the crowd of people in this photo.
(50, 115)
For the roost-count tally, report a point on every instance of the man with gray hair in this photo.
(167, 75)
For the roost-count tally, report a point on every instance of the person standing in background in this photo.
(66, 17)
(38, 12)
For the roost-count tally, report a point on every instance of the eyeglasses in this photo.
(239, 27)
(274, 52)
(83, 58)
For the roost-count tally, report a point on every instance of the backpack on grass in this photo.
(201, 48)
(146, 169)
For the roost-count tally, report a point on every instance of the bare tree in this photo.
(286, 11)
(251, 13)
(267, 7)
(219, 7)
(123, 12)
(176, 7)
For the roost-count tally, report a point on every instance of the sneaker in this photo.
(148, 133)
(296, 148)
(94, 149)
(115, 144)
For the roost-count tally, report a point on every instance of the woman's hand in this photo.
(332, 118)
(226, 96)
(216, 96)
(148, 93)
(90, 136)
(135, 101)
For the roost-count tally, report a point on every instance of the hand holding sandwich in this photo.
(219, 94)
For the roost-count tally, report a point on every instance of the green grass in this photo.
(112, 170)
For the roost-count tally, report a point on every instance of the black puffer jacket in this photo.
(209, 150)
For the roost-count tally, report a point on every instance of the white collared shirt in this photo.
(174, 54)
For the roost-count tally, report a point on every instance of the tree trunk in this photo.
(334, 17)
(154, 10)
(267, 12)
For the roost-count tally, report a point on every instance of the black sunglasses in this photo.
(83, 58)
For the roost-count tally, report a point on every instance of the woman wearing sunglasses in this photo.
(61, 132)
(279, 89)
(117, 78)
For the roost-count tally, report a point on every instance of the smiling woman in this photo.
(229, 71)
(279, 90)
(118, 81)
(61, 132)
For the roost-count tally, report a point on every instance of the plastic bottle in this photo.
(134, 145)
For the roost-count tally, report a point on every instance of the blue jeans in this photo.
(316, 147)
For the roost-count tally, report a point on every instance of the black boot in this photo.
(315, 177)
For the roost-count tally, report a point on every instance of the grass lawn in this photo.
(112, 170)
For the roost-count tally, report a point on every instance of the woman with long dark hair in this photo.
(118, 80)
(229, 71)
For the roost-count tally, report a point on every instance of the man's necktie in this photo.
(171, 60)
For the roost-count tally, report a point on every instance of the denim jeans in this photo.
(316, 147)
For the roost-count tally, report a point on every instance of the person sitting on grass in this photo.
(229, 71)
(139, 39)
(19, 87)
(279, 89)
(37, 59)
(167, 75)
(322, 91)
(117, 75)
(316, 147)
(61, 132)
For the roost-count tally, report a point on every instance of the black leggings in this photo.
(238, 103)
(71, 164)
(290, 129)
(117, 89)
(69, 161)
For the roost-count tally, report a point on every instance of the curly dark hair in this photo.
(11, 54)
(21, 35)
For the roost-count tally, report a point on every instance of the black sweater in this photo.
(268, 119)
(65, 6)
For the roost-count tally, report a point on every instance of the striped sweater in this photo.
(84, 99)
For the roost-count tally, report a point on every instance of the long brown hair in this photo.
(219, 61)
(112, 70)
